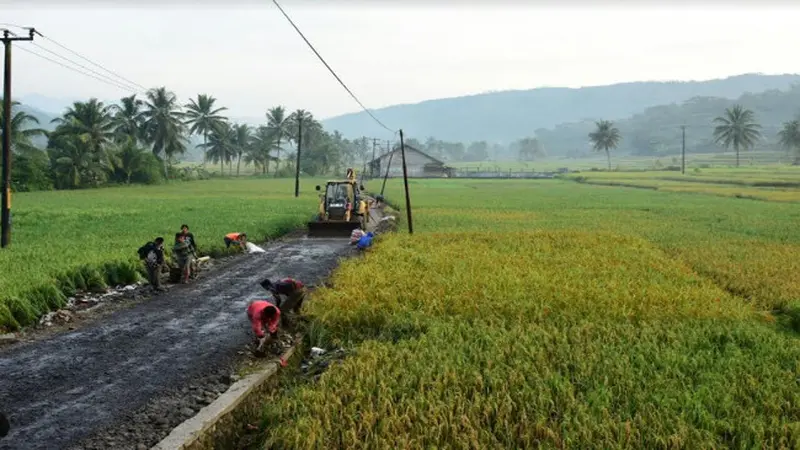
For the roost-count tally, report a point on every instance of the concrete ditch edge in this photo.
(201, 431)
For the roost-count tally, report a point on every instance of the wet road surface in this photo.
(62, 390)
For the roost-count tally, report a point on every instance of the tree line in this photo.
(141, 140)
(735, 129)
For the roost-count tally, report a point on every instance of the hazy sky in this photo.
(250, 58)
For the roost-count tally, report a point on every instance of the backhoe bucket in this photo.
(331, 228)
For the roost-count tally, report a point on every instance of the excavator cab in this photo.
(341, 208)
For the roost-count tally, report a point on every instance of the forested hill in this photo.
(657, 130)
(506, 116)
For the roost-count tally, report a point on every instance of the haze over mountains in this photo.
(506, 116)
(549, 113)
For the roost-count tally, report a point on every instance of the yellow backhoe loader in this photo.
(342, 208)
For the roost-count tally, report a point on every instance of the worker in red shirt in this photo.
(263, 314)
(293, 291)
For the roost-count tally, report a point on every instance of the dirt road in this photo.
(119, 383)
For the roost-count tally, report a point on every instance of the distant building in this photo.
(418, 164)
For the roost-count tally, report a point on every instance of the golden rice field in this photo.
(725, 160)
(775, 184)
(88, 239)
(526, 314)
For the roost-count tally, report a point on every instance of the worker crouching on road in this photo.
(182, 251)
(236, 238)
(263, 314)
(365, 241)
(355, 236)
(289, 293)
(153, 255)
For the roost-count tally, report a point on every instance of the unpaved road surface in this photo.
(125, 381)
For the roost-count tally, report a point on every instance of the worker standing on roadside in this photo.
(237, 238)
(289, 293)
(263, 315)
(183, 256)
(153, 255)
(189, 237)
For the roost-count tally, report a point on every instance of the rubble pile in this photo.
(84, 301)
(318, 361)
(386, 224)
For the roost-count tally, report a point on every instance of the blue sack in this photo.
(365, 241)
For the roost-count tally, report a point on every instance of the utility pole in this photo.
(405, 183)
(5, 217)
(391, 155)
(371, 164)
(299, 144)
(683, 149)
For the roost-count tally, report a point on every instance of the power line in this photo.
(125, 81)
(128, 86)
(112, 83)
(331, 70)
(133, 83)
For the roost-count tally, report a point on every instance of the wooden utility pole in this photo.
(405, 183)
(372, 163)
(299, 145)
(683, 149)
(391, 155)
(5, 216)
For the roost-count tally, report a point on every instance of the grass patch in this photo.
(73, 240)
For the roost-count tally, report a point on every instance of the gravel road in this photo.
(126, 380)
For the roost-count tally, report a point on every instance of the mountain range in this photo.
(550, 113)
(502, 117)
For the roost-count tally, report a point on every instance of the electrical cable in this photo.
(128, 86)
(124, 82)
(111, 83)
(133, 83)
(331, 70)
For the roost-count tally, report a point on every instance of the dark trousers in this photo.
(154, 275)
(293, 301)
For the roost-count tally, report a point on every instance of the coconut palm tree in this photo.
(75, 165)
(163, 124)
(789, 138)
(128, 119)
(605, 137)
(91, 122)
(310, 129)
(242, 140)
(278, 123)
(201, 116)
(737, 128)
(21, 132)
(260, 153)
(130, 157)
(219, 147)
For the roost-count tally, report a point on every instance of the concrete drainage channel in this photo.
(216, 423)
